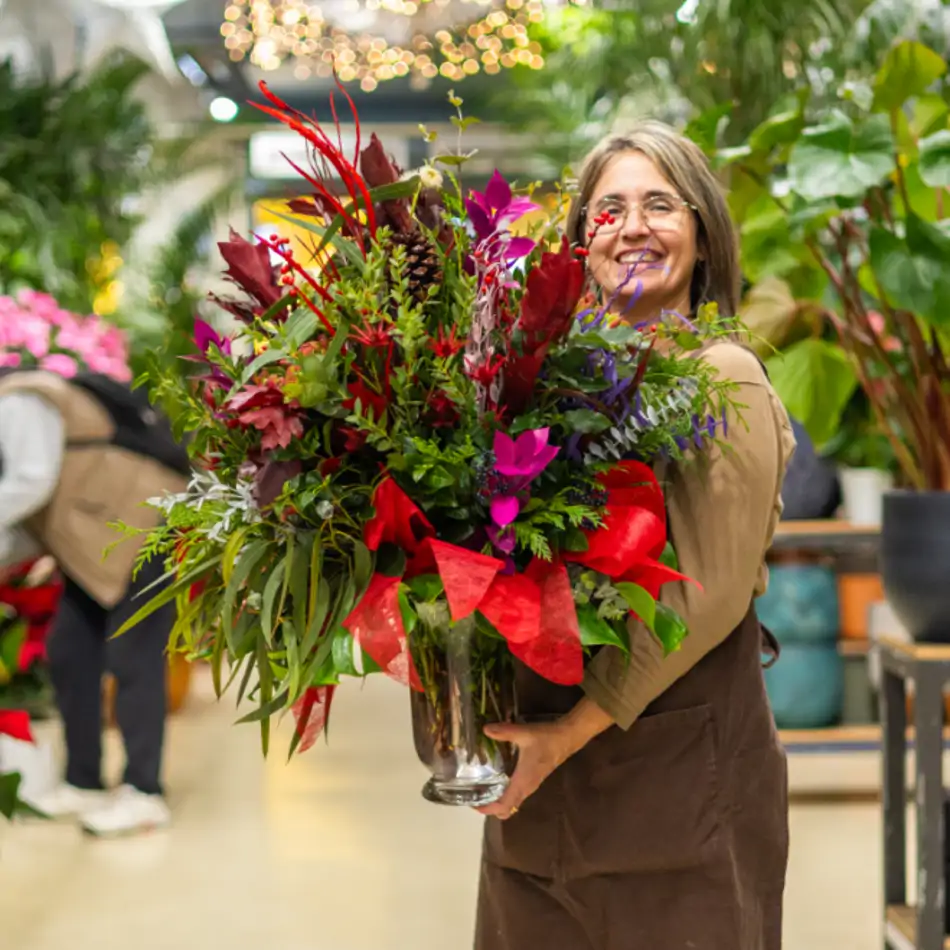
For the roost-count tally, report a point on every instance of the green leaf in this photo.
(426, 587)
(301, 327)
(575, 540)
(595, 631)
(914, 273)
(248, 561)
(300, 581)
(783, 128)
(287, 302)
(640, 601)
(704, 129)
(9, 788)
(266, 710)
(409, 617)
(907, 71)
(362, 566)
(265, 688)
(688, 341)
(837, 159)
(10, 645)
(269, 356)
(274, 584)
(318, 615)
(935, 159)
(168, 594)
(586, 421)
(815, 380)
(670, 629)
(669, 557)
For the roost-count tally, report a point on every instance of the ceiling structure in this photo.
(194, 30)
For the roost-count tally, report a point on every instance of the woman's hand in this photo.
(542, 747)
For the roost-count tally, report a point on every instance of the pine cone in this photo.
(423, 267)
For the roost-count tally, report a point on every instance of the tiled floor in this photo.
(337, 851)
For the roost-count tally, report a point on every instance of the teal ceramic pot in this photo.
(801, 604)
(806, 686)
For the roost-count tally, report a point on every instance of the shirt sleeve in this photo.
(723, 508)
(32, 437)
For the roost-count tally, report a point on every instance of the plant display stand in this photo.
(928, 665)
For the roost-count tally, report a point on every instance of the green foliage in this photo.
(851, 211)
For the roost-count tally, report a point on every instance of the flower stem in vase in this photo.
(467, 682)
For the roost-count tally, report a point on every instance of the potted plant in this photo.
(861, 192)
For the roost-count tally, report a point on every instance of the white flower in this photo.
(430, 177)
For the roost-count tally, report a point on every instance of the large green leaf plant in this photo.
(845, 229)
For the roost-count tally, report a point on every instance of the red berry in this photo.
(581, 252)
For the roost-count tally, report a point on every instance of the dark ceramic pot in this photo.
(915, 562)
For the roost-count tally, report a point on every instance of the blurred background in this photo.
(129, 145)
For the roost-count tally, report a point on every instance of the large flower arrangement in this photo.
(35, 332)
(425, 426)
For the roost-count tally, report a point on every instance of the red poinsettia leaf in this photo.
(16, 724)
(311, 712)
(250, 268)
(466, 576)
(513, 607)
(398, 520)
(556, 653)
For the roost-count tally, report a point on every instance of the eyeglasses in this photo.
(658, 213)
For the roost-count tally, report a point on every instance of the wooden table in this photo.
(825, 535)
(928, 665)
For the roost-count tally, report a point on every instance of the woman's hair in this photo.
(716, 277)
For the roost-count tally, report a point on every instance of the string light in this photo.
(484, 35)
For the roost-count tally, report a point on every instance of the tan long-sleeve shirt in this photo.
(723, 509)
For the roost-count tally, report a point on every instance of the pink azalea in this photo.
(61, 364)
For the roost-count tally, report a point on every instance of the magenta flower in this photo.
(493, 211)
(525, 457)
(60, 364)
(206, 336)
(518, 462)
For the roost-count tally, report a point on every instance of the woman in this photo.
(649, 809)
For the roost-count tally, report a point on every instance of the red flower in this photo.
(446, 346)
(367, 397)
(486, 372)
(377, 337)
(441, 410)
(250, 268)
(264, 408)
(355, 439)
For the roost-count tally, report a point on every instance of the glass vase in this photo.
(468, 682)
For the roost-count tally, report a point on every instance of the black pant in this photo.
(81, 651)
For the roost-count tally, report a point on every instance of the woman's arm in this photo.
(723, 510)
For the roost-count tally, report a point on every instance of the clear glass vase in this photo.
(468, 682)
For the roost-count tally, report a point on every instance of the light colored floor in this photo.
(337, 851)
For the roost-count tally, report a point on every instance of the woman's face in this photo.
(651, 242)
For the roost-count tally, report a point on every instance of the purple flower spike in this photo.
(525, 457)
(503, 539)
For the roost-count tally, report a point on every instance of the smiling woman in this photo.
(649, 806)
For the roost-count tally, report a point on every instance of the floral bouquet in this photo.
(36, 332)
(425, 451)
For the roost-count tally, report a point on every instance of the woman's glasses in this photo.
(659, 212)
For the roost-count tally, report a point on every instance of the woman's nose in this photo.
(634, 225)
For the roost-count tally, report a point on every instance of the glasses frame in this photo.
(594, 230)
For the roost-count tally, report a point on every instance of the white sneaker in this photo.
(66, 801)
(127, 812)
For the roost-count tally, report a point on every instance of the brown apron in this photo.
(670, 836)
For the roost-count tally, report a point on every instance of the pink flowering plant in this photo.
(35, 332)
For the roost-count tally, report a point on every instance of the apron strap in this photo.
(770, 646)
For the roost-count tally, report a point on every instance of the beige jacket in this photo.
(723, 509)
(98, 484)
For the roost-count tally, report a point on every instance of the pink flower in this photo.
(10, 359)
(525, 457)
(60, 363)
